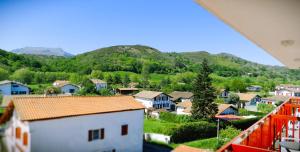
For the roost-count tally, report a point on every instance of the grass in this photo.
(156, 126)
(209, 143)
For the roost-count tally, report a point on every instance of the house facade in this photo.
(105, 124)
(179, 96)
(66, 86)
(249, 98)
(156, 100)
(184, 108)
(254, 88)
(99, 84)
(224, 93)
(287, 90)
(13, 88)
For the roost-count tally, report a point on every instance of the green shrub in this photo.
(244, 123)
(193, 130)
(171, 117)
(244, 112)
(265, 108)
(227, 134)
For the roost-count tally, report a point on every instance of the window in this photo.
(124, 130)
(18, 132)
(25, 138)
(96, 134)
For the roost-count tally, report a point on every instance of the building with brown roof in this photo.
(66, 86)
(184, 108)
(249, 98)
(180, 96)
(74, 123)
(127, 91)
(154, 99)
(99, 84)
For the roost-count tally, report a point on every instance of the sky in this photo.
(79, 26)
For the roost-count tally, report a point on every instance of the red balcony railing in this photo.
(266, 134)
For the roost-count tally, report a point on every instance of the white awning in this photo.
(274, 25)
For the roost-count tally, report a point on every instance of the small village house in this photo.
(224, 93)
(254, 88)
(249, 98)
(99, 84)
(66, 86)
(154, 99)
(287, 90)
(274, 99)
(74, 124)
(184, 108)
(127, 91)
(8, 87)
(179, 96)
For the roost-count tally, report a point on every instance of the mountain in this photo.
(139, 58)
(42, 51)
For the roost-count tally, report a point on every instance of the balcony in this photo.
(278, 131)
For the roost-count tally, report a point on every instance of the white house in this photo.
(254, 88)
(287, 90)
(100, 84)
(74, 124)
(184, 108)
(153, 99)
(180, 96)
(66, 86)
(13, 88)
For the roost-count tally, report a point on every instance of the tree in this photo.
(237, 85)
(204, 94)
(233, 98)
(23, 75)
(87, 87)
(126, 80)
(3, 74)
(97, 74)
(52, 90)
(109, 79)
(117, 79)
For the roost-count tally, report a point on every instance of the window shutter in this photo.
(124, 130)
(102, 133)
(25, 138)
(18, 132)
(90, 135)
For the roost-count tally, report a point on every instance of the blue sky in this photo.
(78, 26)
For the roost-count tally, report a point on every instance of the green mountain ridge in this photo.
(133, 58)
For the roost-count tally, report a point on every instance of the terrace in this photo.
(278, 131)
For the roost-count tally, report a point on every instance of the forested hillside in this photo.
(142, 63)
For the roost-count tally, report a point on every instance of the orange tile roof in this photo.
(184, 148)
(55, 107)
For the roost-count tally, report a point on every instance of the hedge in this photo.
(171, 117)
(193, 130)
(244, 123)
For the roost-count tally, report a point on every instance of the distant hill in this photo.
(42, 51)
(136, 58)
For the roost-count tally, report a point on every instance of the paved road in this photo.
(155, 148)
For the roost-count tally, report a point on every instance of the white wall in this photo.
(157, 137)
(66, 88)
(100, 86)
(146, 102)
(71, 133)
(5, 89)
(159, 101)
(14, 144)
